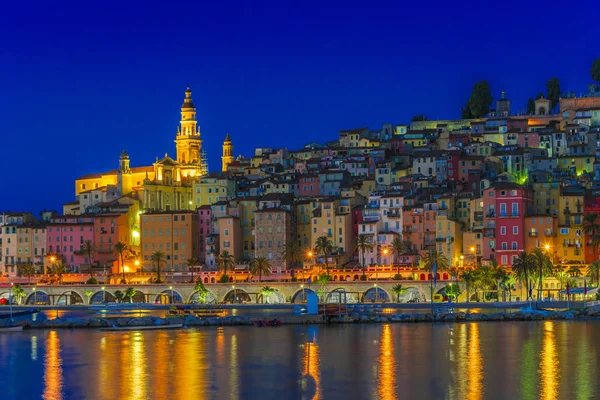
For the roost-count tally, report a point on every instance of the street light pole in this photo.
(234, 294)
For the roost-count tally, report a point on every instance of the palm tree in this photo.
(363, 244)
(130, 292)
(191, 263)
(119, 296)
(591, 228)
(18, 293)
(452, 291)
(27, 270)
(508, 284)
(561, 275)
(593, 271)
(574, 271)
(89, 249)
(322, 280)
(468, 277)
(121, 248)
(293, 254)
(435, 257)
(543, 266)
(266, 292)
(158, 258)
(398, 290)
(260, 266)
(58, 269)
(399, 247)
(485, 278)
(88, 294)
(522, 269)
(324, 247)
(202, 291)
(500, 275)
(225, 261)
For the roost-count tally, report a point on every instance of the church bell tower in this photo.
(188, 142)
(227, 157)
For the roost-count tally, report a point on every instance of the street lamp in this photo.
(34, 296)
(171, 294)
(473, 254)
(103, 295)
(376, 292)
(302, 289)
(234, 294)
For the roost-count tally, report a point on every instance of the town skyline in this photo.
(105, 82)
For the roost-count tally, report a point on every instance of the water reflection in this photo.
(233, 369)
(311, 380)
(53, 373)
(549, 364)
(387, 365)
(474, 364)
(34, 348)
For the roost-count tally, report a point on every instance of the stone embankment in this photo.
(193, 321)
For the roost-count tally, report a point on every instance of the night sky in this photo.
(82, 82)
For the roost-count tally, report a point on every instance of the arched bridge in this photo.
(278, 292)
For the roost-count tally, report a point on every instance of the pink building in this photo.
(308, 185)
(204, 230)
(110, 228)
(65, 236)
(512, 204)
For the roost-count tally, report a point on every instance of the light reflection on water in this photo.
(547, 360)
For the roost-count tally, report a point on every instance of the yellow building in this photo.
(449, 237)
(333, 218)
(303, 221)
(227, 157)
(545, 197)
(165, 185)
(472, 248)
(578, 164)
(213, 188)
(570, 239)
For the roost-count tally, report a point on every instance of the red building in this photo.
(65, 236)
(591, 205)
(110, 228)
(204, 230)
(308, 185)
(512, 202)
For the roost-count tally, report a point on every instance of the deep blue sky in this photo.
(81, 82)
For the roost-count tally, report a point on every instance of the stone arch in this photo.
(38, 297)
(241, 296)
(301, 295)
(376, 295)
(412, 294)
(356, 277)
(168, 296)
(205, 279)
(422, 277)
(103, 296)
(212, 280)
(445, 276)
(138, 297)
(69, 297)
(341, 295)
(210, 298)
(274, 298)
(335, 277)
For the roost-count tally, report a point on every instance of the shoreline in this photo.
(592, 313)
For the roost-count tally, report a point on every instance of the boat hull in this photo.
(141, 328)
(8, 329)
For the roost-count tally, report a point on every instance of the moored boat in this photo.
(8, 329)
(141, 328)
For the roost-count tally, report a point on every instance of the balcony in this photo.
(490, 214)
(489, 234)
(478, 216)
(407, 230)
(394, 214)
(533, 233)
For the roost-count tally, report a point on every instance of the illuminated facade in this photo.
(227, 157)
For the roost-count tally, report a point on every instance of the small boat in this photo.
(141, 328)
(7, 329)
(20, 313)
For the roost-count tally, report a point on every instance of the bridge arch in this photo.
(38, 297)
(276, 297)
(102, 296)
(376, 295)
(169, 296)
(301, 295)
(209, 299)
(237, 296)
(70, 297)
(138, 297)
(341, 295)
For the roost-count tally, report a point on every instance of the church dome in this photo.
(124, 155)
(187, 102)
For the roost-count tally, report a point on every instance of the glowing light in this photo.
(386, 373)
(135, 234)
(53, 373)
(137, 262)
(126, 268)
(474, 364)
(549, 365)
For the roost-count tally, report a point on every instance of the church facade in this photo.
(164, 185)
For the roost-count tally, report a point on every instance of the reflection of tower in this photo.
(124, 175)
(227, 157)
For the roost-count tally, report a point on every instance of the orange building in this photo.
(174, 233)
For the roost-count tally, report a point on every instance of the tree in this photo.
(398, 290)
(554, 92)
(543, 267)
(88, 293)
(522, 269)
(266, 292)
(293, 254)
(435, 257)
(485, 278)
(18, 293)
(468, 277)
(399, 247)
(225, 261)
(120, 248)
(363, 244)
(130, 293)
(119, 296)
(452, 291)
(500, 275)
(593, 271)
(89, 249)
(420, 117)
(27, 270)
(531, 106)
(260, 266)
(191, 263)
(595, 71)
(322, 280)
(561, 275)
(574, 271)
(158, 258)
(591, 228)
(201, 290)
(58, 269)
(480, 101)
(508, 285)
(324, 247)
